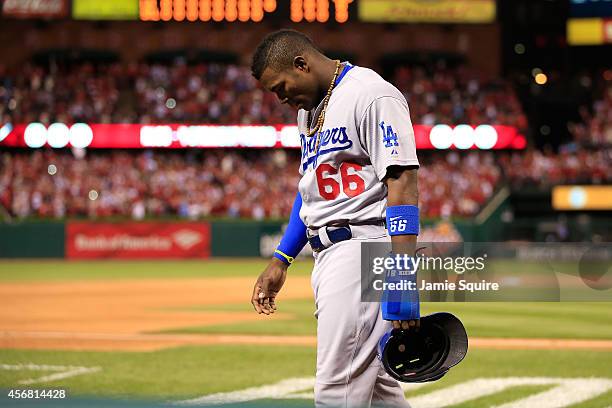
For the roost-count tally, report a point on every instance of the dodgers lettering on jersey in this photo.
(367, 128)
(331, 140)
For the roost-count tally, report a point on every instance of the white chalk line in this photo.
(565, 392)
(282, 389)
(63, 372)
(310, 394)
(568, 392)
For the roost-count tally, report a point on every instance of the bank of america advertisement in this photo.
(427, 11)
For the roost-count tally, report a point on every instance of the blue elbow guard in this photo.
(294, 239)
(401, 302)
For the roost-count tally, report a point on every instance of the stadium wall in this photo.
(32, 240)
(94, 240)
(176, 239)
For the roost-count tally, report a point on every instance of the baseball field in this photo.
(183, 332)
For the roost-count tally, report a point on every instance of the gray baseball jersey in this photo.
(367, 128)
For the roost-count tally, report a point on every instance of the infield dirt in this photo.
(121, 314)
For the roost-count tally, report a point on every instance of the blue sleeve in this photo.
(404, 307)
(401, 304)
(294, 239)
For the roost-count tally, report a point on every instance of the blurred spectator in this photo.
(221, 183)
(595, 128)
(233, 183)
(228, 183)
(456, 185)
(138, 93)
(256, 184)
(218, 93)
(83, 92)
(536, 168)
(454, 96)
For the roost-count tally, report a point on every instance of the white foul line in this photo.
(569, 391)
(566, 392)
(278, 390)
(62, 371)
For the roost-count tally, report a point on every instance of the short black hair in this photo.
(278, 49)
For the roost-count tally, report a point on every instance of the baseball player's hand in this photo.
(267, 287)
(407, 324)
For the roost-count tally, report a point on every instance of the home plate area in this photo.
(564, 392)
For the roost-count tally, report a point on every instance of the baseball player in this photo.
(358, 184)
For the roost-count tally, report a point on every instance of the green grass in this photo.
(57, 270)
(188, 372)
(182, 372)
(294, 317)
(525, 363)
(16, 270)
(532, 320)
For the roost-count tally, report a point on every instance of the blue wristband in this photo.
(294, 239)
(401, 302)
(403, 220)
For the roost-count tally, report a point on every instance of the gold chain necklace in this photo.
(321, 117)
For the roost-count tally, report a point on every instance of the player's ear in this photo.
(300, 63)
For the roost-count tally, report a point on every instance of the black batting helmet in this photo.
(440, 343)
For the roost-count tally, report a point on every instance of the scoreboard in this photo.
(205, 10)
(278, 11)
(319, 11)
(242, 10)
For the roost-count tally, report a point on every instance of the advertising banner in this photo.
(122, 136)
(105, 10)
(582, 197)
(34, 8)
(589, 31)
(137, 240)
(427, 11)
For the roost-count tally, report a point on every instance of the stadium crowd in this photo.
(221, 93)
(440, 94)
(56, 184)
(230, 183)
(547, 168)
(595, 127)
(137, 93)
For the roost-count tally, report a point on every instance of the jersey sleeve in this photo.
(386, 133)
(302, 117)
(301, 167)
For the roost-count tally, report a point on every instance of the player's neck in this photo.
(325, 75)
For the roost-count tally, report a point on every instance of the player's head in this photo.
(284, 63)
